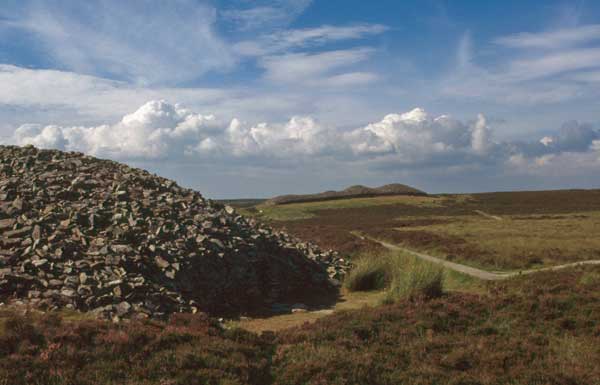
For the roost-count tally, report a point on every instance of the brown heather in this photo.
(542, 329)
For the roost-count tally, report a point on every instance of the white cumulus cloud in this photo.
(160, 130)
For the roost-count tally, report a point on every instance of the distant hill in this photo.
(357, 191)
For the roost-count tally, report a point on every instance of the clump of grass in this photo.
(402, 275)
(416, 279)
(370, 273)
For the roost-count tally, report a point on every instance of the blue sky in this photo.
(244, 98)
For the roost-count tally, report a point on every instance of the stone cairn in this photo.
(98, 236)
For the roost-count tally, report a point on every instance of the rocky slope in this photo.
(357, 191)
(96, 235)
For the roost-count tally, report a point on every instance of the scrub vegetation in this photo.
(540, 329)
(495, 231)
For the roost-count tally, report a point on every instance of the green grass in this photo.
(519, 241)
(297, 211)
(371, 272)
(401, 275)
(415, 278)
(455, 281)
(535, 229)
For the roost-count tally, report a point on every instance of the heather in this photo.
(542, 329)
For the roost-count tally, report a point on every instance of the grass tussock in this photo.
(416, 279)
(403, 276)
(370, 273)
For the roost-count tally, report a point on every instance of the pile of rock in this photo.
(95, 235)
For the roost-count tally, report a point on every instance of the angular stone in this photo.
(170, 274)
(69, 293)
(123, 308)
(36, 234)
(7, 223)
(72, 281)
(17, 233)
(161, 262)
(55, 283)
(124, 249)
(116, 282)
(217, 242)
(18, 203)
(39, 262)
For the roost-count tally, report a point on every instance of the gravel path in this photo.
(473, 271)
(483, 213)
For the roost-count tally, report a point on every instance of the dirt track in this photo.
(483, 213)
(472, 271)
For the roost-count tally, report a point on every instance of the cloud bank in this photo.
(160, 130)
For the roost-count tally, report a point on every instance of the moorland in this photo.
(495, 231)
(399, 319)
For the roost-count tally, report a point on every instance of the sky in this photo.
(240, 98)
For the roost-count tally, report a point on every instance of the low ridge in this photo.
(96, 235)
(357, 191)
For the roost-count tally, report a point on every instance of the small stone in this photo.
(161, 262)
(124, 249)
(72, 281)
(36, 234)
(123, 308)
(69, 293)
(55, 283)
(114, 283)
(170, 274)
(39, 262)
(18, 203)
(7, 223)
(218, 243)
